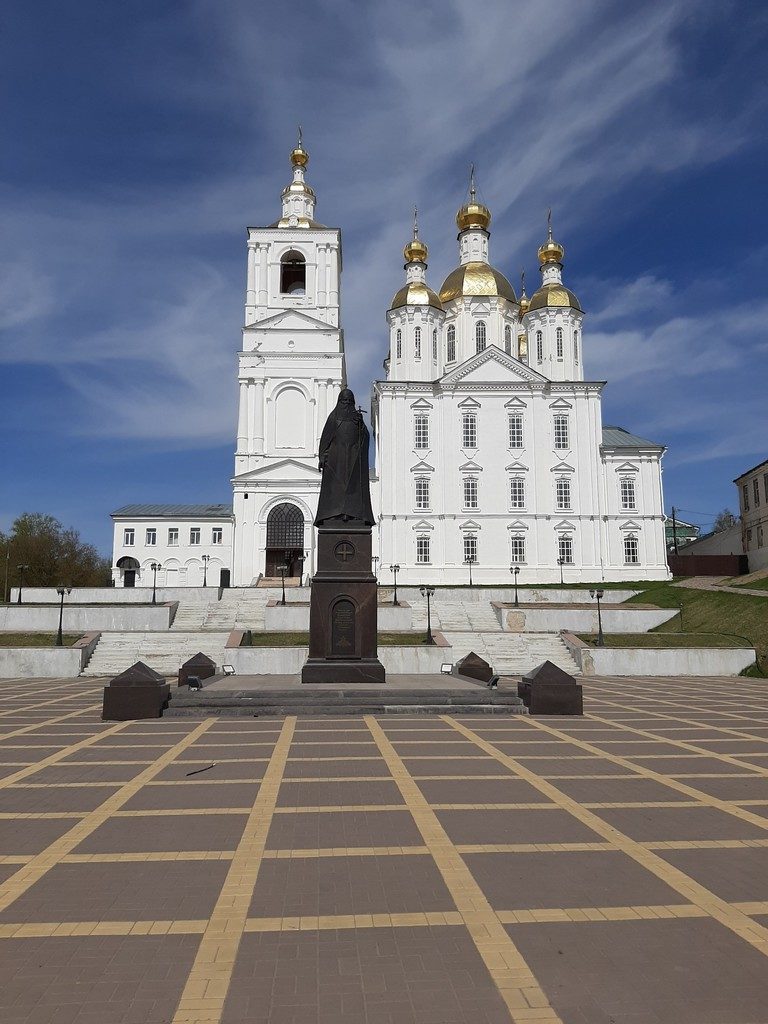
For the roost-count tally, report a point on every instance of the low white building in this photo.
(490, 447)
(190, 544)
(753, 503)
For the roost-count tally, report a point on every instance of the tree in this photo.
(54, 555)
(724, 521)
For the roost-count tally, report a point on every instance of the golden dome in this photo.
(416, 294)
(554, 295)
(473, 215)
(525, 304)
(476, 279)
(415, 251)
(551, 251)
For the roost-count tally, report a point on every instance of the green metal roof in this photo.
(175, 511)
(618, 437)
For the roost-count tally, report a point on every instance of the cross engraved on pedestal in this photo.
(344, 551)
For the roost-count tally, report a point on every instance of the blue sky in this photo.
(142, 137)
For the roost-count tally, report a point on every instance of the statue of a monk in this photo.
(345, 494)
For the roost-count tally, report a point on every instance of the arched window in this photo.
(575, 346)
(399, 343)
(508, 340)
(631, 551)
(417, 343)
(559, 342)
(451, 336)
(479, 335)
(539, 346)
(434, 345)
(293, 274)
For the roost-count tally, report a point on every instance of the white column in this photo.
(263, 281)
(250, 296)
(250, 401)
(259, 417)
(242, 419)
(322, 275)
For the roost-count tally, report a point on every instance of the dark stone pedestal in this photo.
(474, 667)
(199, 665)
(343, 610)
(548, 690)
(139, 692)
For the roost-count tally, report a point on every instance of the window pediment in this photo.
(470, 525)
(562, 467)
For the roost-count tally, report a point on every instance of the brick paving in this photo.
(610, 870)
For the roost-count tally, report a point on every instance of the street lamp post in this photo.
(302, 558)
(22, 569)
(375, 561)
(206, 559)
(470, 562)
(61, 591)
(155, 566)
(515, 570)
(561, 563)
(428, 592)
(600, 638)
(283, 569)
(395, 569)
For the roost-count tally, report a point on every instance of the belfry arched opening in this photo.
(285, 540)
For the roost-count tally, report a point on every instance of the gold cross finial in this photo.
(472, 189)
(549, 224)
(522, 281)
(300, 142)
(415, 222)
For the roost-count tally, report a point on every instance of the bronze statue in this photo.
(345, 496)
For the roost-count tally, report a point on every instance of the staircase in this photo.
(164, 652)
(513, 654)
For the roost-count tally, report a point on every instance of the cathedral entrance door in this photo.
(285, 540)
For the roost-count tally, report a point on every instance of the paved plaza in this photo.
(611, 869)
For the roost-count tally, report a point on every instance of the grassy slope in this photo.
(761, 584)
(36, 639)
(659, 640)
(707, 611)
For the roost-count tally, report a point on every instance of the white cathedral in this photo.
(490, 450)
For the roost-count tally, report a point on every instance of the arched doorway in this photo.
(285, 540)
(128, 567)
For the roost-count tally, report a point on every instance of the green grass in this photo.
(742, 616)
(660, 641)
(36, 639)
(761, 584)
(302, 639)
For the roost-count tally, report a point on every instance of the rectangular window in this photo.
(565, 549)
(469, 430)
(194, 535)
(765, 486)
(561, 431)
(515, 430)
(756, 491)
(173, 537)
(631, 556)
(217, 535)
(151, 538)
(539, 346)
(470, 547)
(749, 537)
(422, 492)
(627, 492)
(421, 431)
(745, 498)
(129, 538)
(470, 492)
(422, 549)
(517, 551)
(563, 493)
(517, 492)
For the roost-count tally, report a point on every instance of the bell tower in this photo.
(291, 367)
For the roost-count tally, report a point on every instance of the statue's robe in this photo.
(345, 493)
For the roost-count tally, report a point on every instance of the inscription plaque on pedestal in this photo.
(344, 606)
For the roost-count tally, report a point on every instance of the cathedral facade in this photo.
(490, 450)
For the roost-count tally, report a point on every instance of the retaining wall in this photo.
(642, 661)
(47, 662)
(292, 617)
(528, 595)
(29, 618)
(616, 619)
(290, 660)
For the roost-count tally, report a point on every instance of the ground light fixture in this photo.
(429, 593)
(598, 594)
(61, 591)
(515, 570)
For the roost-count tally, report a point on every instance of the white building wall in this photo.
(182, 563)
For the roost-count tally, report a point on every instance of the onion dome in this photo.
(555, 294)
(473, 214)
(415, 251)
(473, 279)
(416, 293)
(551, 251)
